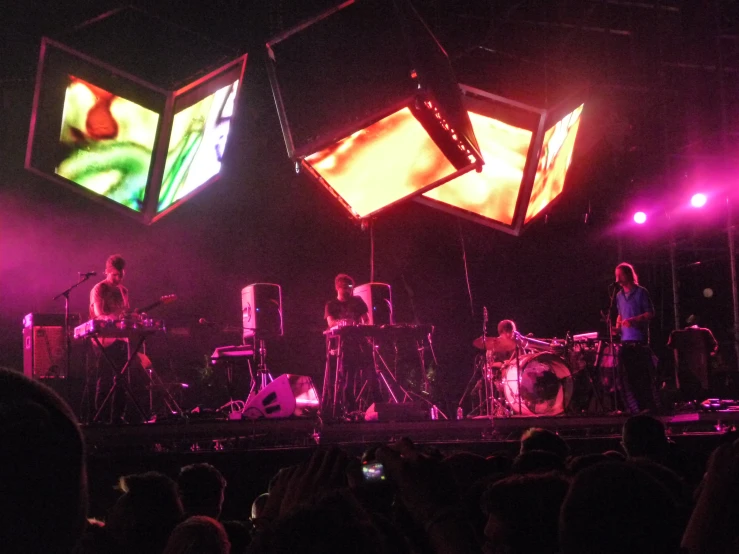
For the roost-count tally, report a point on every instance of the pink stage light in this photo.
(698, 200)
(640, 218)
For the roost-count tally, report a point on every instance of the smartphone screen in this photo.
(373, 471)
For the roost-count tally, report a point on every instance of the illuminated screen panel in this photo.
(554, 161)
(385, 162)
(196, 145)
(108, 143)
(493, 192)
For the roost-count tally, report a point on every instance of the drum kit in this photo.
(534, 380)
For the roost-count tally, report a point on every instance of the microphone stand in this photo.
(474, 371)
(67, 339)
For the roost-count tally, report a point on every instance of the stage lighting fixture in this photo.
(640, 218)
(369, 105)
(527, 152)
(140, 125)
(698, 200)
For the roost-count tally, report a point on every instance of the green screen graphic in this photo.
(107, 143)
(196, 146)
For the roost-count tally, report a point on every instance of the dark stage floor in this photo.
(247, 435)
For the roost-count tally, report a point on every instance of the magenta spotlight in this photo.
(640, 218)
(698, 200)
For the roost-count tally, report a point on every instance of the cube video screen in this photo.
(493, 192)
(107, 143)
(196, 145)
(385, 162)
(554, 161)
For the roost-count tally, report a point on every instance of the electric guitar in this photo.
(167, 299)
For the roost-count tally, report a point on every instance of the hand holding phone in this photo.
(373, 472)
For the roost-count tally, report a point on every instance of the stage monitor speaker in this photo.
(379, 300)
(43, 352)
(286, 396)
(407, 411)
(261, 308)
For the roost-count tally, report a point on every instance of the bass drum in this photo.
(546, 385)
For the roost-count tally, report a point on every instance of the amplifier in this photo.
(49, 320)
(43, 352)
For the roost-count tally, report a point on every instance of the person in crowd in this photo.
(536, 438)
(144, 516)
(324, 524)
(198, 535)
(616, 508)
(644, 437)
(43, 477)
(523, 514)
(239, 535)
(537, 461)
(201, 488)
(576, 464)
(712, 527)
(467, 468)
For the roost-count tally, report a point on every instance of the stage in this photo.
(201, 435)
(249, 453)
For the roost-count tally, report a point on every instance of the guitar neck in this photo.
(163, 300)
(151, 306)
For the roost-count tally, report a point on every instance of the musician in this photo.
(109, 300)
(505, 345)
(346, 306)
(356, 352)
(693, 348)
(635, 311)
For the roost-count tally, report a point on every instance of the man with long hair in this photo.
(635, 310)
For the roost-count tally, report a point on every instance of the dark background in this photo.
(660, 119)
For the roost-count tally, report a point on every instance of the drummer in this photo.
(505, 345)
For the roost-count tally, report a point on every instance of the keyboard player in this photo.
(109, 300)
(356, 351)
(345, 307)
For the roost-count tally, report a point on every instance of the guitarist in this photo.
(109, 300)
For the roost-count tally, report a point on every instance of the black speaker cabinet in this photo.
(379, 300)
(261, 308)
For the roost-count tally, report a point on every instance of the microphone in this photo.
(615, 284)
(203, 321)
(87, 273)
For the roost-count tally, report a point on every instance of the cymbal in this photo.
(496, 344)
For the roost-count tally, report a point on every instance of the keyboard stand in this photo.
(119, 376)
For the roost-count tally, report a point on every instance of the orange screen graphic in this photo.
(554, 161)
(385, 162)
(493, 192)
